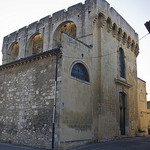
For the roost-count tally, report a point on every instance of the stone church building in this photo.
(70, 79)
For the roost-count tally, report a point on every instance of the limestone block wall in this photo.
(78, 116)
(27, 95)
(95, 33)
(148, 116)
(110, 41)
(82, 15)
(142, 106)
(108, 128)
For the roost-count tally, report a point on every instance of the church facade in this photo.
(70, 79)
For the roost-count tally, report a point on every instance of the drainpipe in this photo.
(54, 106)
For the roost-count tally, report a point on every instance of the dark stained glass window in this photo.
(121, 63)
(80, 72)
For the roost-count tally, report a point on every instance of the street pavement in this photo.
(13, 147)
(135, 143)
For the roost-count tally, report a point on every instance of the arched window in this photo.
(121, 63)
(80, 72)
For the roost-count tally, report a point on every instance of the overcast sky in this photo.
(15, 14)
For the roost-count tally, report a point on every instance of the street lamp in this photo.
(147, 25)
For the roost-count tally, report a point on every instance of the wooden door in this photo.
(122, 113)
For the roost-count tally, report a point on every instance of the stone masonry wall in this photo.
(142, 106)
(83, 15)
(26, 102)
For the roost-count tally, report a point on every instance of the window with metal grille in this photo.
(121, 63)
(79, 71)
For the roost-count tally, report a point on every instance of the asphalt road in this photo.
(136, 143)
(13, 147)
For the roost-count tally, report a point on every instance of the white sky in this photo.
(15, 14)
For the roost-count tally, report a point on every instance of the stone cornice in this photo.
(117, 32)
(32, 58)
(124, 83)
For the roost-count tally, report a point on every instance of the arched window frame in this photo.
(30, 47)
(122, 63)
(64, 27)
(13, 53)
(80, 72)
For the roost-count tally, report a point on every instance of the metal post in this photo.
(54, 106)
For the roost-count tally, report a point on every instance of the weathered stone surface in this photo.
(27, 103)
(142, 108)
(91, 35)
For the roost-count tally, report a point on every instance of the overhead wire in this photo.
(87, 57)
(77, 57)
(144, 36)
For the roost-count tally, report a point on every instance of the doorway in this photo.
(122, 112)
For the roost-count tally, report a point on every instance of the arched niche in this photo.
(136, 49)
(129, 42)
(124, 38)
(35, 44)
(13, 52)
(109, 24)
(101, 20)
(132, 45)
(119, 34)
(114, 29)
(68, 27)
